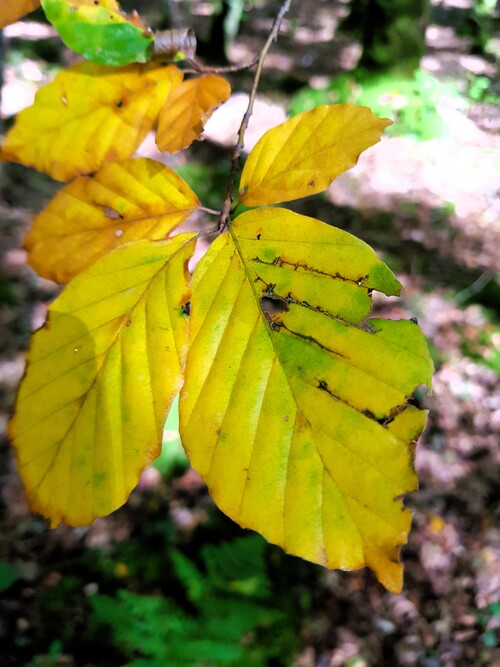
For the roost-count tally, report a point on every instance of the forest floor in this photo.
(431, 209)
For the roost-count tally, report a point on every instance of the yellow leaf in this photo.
(89, 115)
(303, 155)
(187, 109)
(123, 202)
(100, 379)
(294, 408)
(12, 10)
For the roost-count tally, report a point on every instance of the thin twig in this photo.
(238, 149)
(477, 286)
(229, 69)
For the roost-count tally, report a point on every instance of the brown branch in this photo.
(230, 69)
(238, 149)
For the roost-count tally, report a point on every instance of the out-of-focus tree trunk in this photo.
(391, 32)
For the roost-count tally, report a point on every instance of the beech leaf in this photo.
(303, 155)
(100, 379)
(100, 31)
(12, 10)
(88, 116)
(295, 409)
(123, 202)
(188, 108)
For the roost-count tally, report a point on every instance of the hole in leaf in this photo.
(420, 397)
(185, 310)
(273, 306)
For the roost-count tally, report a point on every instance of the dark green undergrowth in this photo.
(233, 619)
(158, 599)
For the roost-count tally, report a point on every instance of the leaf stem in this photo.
(238, 149)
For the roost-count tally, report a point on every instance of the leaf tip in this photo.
(386, 122)
(387, 568)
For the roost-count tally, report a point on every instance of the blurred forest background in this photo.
(168, 580)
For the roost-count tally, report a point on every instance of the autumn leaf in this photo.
(12, 10)
(188, 108)
(123, 202)
(100, 31)
(303, 155)
(88, 116)
(295, 409)
(100, 379)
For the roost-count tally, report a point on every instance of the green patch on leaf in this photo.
(100, 34)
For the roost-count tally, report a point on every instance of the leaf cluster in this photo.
(295, 406)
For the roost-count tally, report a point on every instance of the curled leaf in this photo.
(187, 109)
(178, 44)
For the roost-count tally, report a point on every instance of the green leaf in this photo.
(295, 409)
(99, 31)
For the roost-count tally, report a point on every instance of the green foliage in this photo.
(8, 576)
(481, 344)
(50, 659)
(208, 182)
(236, 603)
(481, 90)
(233, 620)
(410, 101)
(480, 24)
(489, 620)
